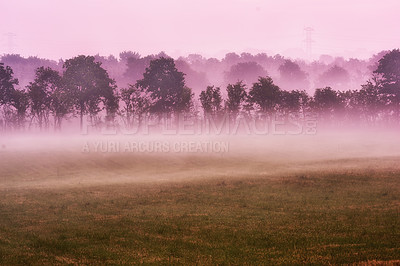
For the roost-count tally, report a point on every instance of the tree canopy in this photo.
(388, 71)
(165, 86)
(292, 77)
(265, 94)
(211, 100)
(236, 96)
(7, 83)
(90, 85)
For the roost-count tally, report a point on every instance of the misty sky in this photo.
(62, 29)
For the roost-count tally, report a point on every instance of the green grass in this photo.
(333, 217)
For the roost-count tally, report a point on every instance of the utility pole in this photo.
(308, 31)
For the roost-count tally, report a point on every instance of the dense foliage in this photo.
(84, 88)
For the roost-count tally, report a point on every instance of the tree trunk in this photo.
(81, 118)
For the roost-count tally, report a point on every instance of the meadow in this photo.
(272, 200)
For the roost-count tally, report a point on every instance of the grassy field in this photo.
(67, 208)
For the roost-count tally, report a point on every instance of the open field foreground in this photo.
(272, 200)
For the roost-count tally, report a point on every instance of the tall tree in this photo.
(193, 78)
(40, 92)
(336, 77)
(211, 101)
(61, 105)
(248, 72)
(165, 86)
(135, 104)
(265, 95)
(48, 95)
(8, 94)
(135, 66)
(185, 104)
(90, 86)
(292, 77)
(20, 102)
(7, 83)
(325, 102)
(370, 102)
(293, 102)
(236, 97)
(389, 78)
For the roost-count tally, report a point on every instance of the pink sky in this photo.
(62, 29)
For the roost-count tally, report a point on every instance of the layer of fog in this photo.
(60, 161)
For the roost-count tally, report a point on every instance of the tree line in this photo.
(84, 89)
